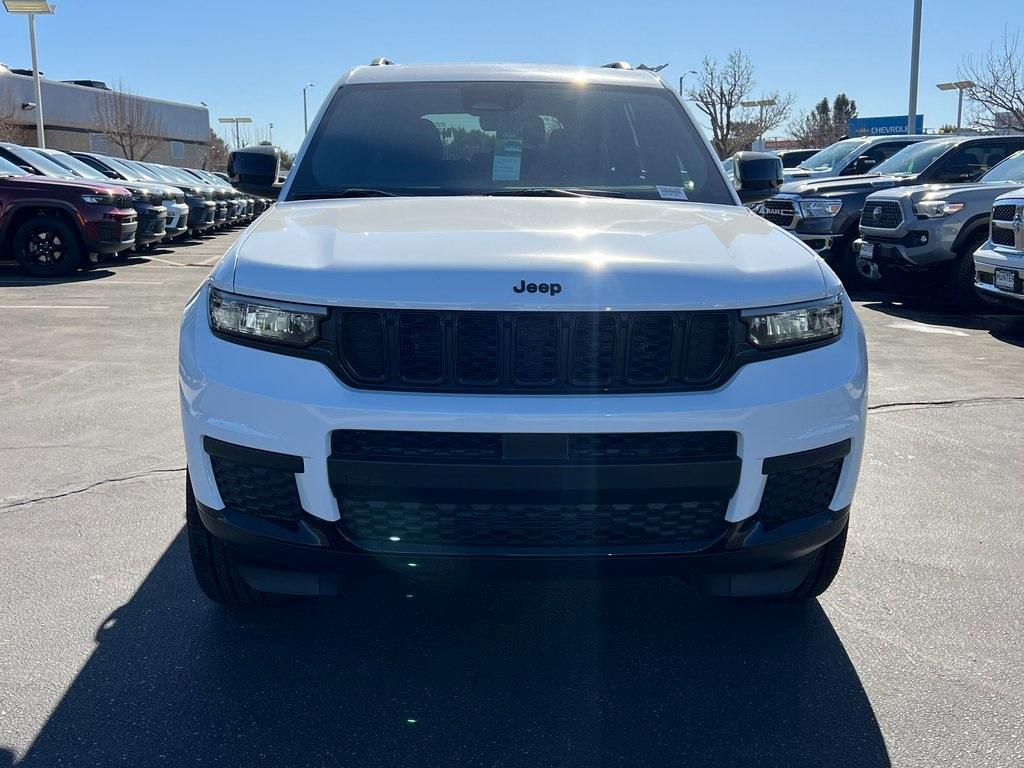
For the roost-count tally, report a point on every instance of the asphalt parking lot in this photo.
(109, 654)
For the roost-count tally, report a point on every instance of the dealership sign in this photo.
(882, 126)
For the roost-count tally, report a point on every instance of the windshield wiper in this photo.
(550, 192)
(328, 194)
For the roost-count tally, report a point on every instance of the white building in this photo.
(69, 118)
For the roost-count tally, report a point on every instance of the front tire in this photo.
(965, 298)
(214, 565)
(45, 246)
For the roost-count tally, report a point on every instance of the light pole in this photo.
(271, 136)
(960, 85)
(915, 57)
(236, 121)
(305, 113)
(683, 77)
(31, 8)
(761, 104)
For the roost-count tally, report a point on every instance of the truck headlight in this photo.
(795, 324)
(816, 209)
(296, 325)
(936, 209)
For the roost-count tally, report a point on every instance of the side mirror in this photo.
(255, 170)
(757, 175)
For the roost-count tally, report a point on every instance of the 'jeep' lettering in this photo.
(551, 289)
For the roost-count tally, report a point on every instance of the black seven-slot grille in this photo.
(453, 351)
(465, 492)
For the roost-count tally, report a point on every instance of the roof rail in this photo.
(380, 61)
(617, 65)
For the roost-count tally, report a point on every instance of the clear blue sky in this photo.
(252, 58)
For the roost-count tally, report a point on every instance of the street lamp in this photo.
(236, 121)
(683, 77)
(31, 8)
(305, 114)
(959, 85)
(761, 104)
(271, 136)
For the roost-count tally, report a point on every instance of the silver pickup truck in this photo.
(929, 233)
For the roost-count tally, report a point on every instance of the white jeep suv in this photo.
(514, 317)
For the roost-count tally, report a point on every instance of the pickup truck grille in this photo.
(570, 352)
(780, 212)
(1002, 225)
(122, 201)
(884, 214)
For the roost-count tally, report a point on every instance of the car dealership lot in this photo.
(111, 655)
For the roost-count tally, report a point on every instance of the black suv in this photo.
(825, 213)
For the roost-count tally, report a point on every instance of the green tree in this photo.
(826, 123)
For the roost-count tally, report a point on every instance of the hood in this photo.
(83, 184)
(840, 185)
(801, 174)
(960, 192)
(475, 252)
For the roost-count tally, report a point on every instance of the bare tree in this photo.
(10, 130)
(128, 122)
(720, 89)
(216, 157)
(997, 98)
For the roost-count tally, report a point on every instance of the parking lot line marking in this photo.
(165, 261)
(51, 306)
(209, 261)
(924, 328)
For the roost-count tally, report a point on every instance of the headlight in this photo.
(816, 209)
(296, 325)
(936, 209)
(796, 324)
(140, 196)
(99, 198)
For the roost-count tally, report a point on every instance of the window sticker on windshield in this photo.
(671, 193)
(508, 159)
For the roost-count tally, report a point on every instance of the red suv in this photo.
(51, 226)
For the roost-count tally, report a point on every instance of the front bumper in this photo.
(114, 233)
(177, 219)
(260, 400)
(152, 224)
(986, 261)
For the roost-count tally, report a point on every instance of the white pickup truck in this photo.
(514, 317)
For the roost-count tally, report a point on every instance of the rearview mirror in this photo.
(757, 175)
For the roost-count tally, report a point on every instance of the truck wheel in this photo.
(965, 298)
(45, 246)
(213, 563)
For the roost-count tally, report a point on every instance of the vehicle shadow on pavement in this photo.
(13, 277)
(434, 673)
(1004, 327)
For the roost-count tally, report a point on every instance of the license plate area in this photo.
(867, 250)
(1006, 280)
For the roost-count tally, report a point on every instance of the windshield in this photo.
(7, 168)
(125, 170)
(144, 173)
(826, 159)
(1010, 169)
(473, 138)
(44, 165)
(73, 164)
(913, 159)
